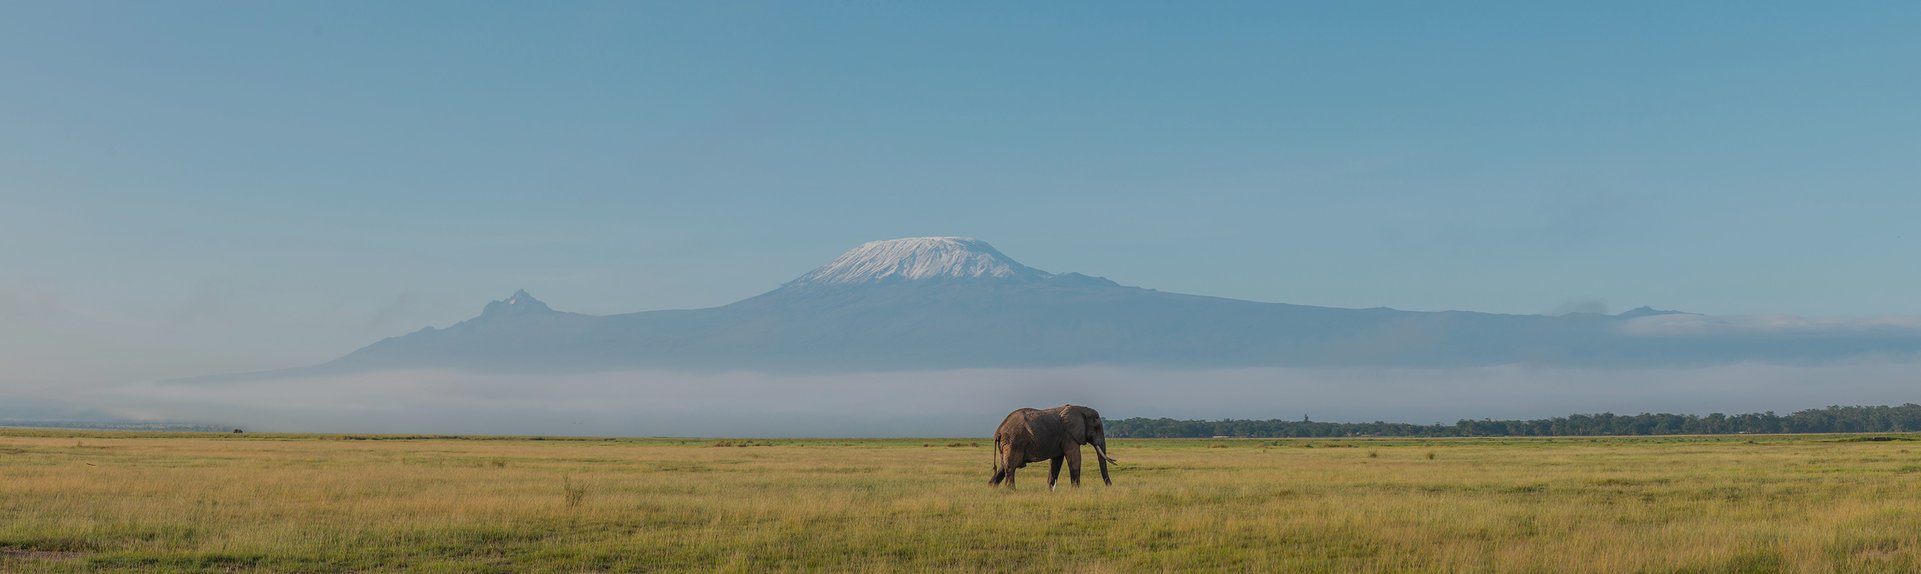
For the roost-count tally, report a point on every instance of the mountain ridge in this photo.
(956, 302)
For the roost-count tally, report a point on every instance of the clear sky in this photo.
(193, 187)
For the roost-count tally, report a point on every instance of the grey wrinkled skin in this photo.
(1054, 435)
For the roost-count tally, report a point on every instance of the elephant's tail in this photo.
(997, 454)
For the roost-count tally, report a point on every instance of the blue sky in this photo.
(211, 186)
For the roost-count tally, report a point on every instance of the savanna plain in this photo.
(89, 501)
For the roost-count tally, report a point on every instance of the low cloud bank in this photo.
(971, 402)
(1682, 324)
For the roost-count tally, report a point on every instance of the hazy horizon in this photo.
(962, 402)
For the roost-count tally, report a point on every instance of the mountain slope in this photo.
(947, 302)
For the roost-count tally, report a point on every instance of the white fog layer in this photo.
(965, 402)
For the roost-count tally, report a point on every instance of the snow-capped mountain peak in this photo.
(918, 259)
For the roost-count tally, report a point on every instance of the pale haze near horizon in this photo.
(200, 188)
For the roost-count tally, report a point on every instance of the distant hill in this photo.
(950, 302)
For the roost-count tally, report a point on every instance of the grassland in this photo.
(75, 501)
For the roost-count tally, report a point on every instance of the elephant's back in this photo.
(1023, 423)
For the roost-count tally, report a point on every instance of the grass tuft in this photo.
(573, 494)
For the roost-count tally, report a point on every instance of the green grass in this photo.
(78, 501)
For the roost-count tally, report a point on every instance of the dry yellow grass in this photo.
(100, 502)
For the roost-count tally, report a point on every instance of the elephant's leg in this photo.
(999, 473)
(1074, 465)
(1053, 472)
(1009, 465)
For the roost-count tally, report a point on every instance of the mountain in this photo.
(954, 302)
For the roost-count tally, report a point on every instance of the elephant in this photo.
(1034, 435)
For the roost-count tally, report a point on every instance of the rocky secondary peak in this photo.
(518, 303)
(920, 259)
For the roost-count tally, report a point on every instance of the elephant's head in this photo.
(1084, 427)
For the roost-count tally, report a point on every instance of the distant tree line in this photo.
(114, 425)
(1904, 418)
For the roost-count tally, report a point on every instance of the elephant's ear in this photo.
(1076, 422)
